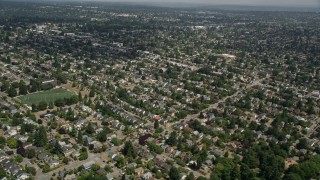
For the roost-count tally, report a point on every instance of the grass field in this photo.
(47, 96)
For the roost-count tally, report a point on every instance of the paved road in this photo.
(215, 105)
(313, 127)
(169, 126)
(96, 157)
(70, 166)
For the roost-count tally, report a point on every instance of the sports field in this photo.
(47, 96)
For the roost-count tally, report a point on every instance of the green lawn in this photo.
(47, 96)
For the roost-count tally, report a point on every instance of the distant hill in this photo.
(189, 5)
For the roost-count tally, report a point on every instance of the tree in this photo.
(2, 140)
(5, 86)
(201, 178)
(31, 153)
(57, 149)
(292, 176)
(54, 125)
(46, 168)
(12, 143)
(65, 160)
(130, 171)
(73, 132)
(80, 96)
(174, 174)
(308, 169)
(23, 89)
(59, 103)
(18, 158)
(224, 168)
(34, 107)
(90, 129)
(271, 166)
(311, 110)
(108, 168)
(8, 59)
(123, 177)
(156, 124)
(214, 176)
(246, 172)
(201, 116)
(235, 174)
(51, 105)
(155, 148)
(21, 151)
(190, 176)
(83, 154)
(2, 173)
(71, 100)
(120, 162)
(62, 130)
(92, 93)
(80, 138)
(95, 167)
(17, 121)
(102, 136)
(172, 140)
(42, 105)
(251, 159)
(35, 85)
(12, 92)
(202, 158)
(128, 150)
(70, 115)
(303, 143)
(31, 170)
(40, 138)
(115, 141)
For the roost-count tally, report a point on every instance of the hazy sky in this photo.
(288, 3)
(235, 2)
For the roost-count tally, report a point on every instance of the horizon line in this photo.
(175, 4)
